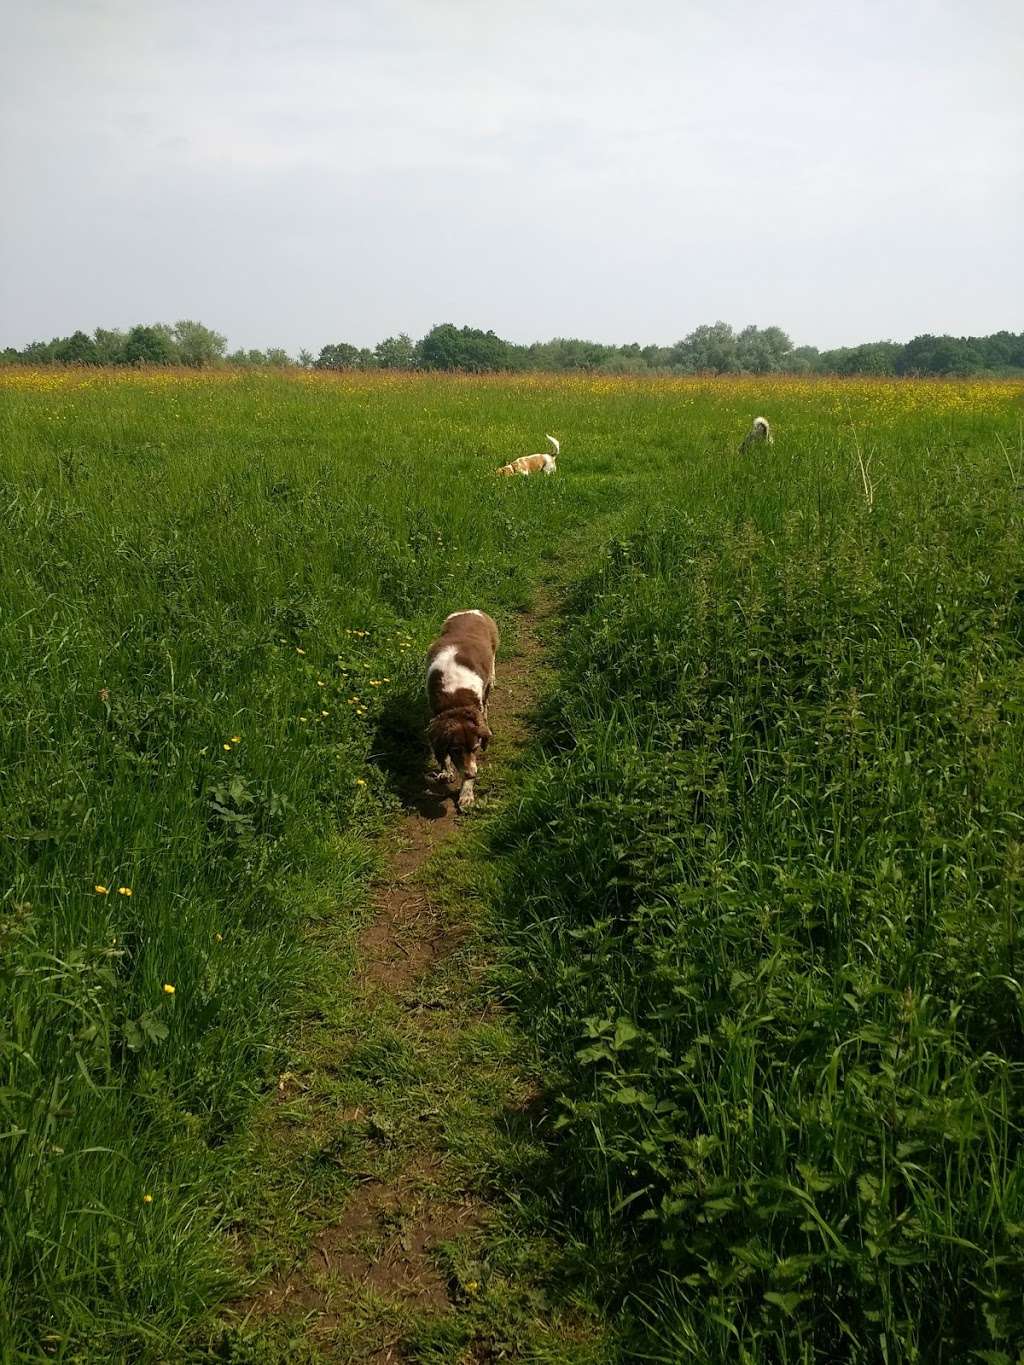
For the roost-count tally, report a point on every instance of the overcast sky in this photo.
(304, 171)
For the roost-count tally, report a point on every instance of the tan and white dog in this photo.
(460, 675)
(534, 464)
(759, 431)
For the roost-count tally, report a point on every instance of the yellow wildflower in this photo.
(124, 891)
(360, 781)
(101, 890)
(147, 1199)
(472, 1286)
(168, 988)
(236, 739)
(226, 746)
(219, 938)
(299, 651)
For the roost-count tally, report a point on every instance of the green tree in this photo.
(763, 350)
(874, 357)
(340, 355)
(708, 348)
(804, 360)
(40, 352)
(77, 349)
(446, 347)
(110, 346)
(396, 353)
(198, 345)
(149, 345)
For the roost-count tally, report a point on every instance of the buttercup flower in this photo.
(147, 1199)
(124, 891)
(168, 988)
(101, 890)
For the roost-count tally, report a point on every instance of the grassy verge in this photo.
(764, 890)
(214, 597)
(407, 1118)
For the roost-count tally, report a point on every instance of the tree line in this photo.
(714, 348)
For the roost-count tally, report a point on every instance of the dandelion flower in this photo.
(147, 1199)
(236, 739)
(124, 891)
(168, 988)
(472, 1286)
(227, 747)
(101, 890)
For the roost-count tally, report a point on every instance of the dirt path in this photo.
(409, 933)
(371, 1269)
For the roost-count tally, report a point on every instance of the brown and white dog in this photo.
(534, 464)
(460, 675)
(759, 431)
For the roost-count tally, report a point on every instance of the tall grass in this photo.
(780, 792)
(216, 598)
(765, 882)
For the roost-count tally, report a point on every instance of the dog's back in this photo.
(461, 659)
(546, 463)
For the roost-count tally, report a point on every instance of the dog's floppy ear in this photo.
(438, 734)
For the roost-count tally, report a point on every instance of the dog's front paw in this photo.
(466, 797)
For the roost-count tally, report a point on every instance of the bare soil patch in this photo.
(384, 1239)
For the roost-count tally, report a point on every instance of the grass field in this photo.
(758, 892)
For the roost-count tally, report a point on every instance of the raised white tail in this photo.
(556, 444)
(759, 431)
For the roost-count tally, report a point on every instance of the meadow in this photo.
(756, 893)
